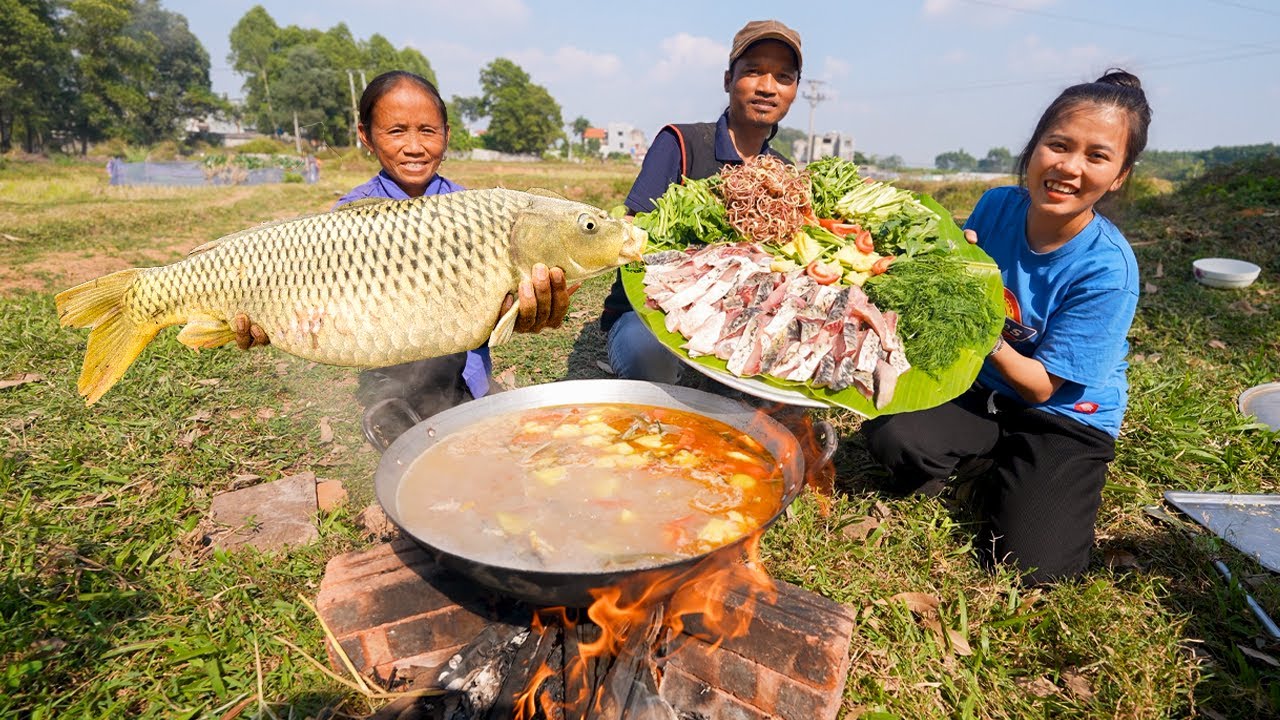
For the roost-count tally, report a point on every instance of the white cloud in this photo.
(684, 55)
(835, 69)
(567, 63)
(1077, 64)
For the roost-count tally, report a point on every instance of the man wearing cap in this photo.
(762, 79)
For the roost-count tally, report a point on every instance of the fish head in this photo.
(583, 240)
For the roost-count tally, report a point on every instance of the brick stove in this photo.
(401, 618)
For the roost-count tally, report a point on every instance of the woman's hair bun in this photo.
(1116, 76)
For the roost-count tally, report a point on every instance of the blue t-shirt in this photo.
(475, 373)
(1069, 308)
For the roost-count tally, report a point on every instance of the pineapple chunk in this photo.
(599, 428)
(594, 441)
(632, 461)
(622, 448)
(511, 523)
(551, 476)
(742, 481)
(649, 441)
(606, 461)
(718, 531)
(566, 430)
(684, 458)
(626, 516)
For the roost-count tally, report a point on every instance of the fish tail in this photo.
(116, 339)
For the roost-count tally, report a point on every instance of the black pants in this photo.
(429, 386)
(1046, 481)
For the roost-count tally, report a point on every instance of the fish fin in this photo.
(361, 203)
(205, 331)
(116, 340)
(505, 327)
(546, 193)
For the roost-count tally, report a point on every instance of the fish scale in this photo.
(374, 284)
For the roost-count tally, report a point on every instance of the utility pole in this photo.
(355, 112)
(297, 136)
(813, 93)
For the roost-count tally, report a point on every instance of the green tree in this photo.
(460, 139)
(254, 41)
(890, 162)
(955, 160)
(305, 85)
(110, 70)
(523, 117)
(178, 87)
(416, 62)
(32, 59)
(998, 160)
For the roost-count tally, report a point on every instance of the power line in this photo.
(1178, 61)
(1243, 6)
(1093, 22)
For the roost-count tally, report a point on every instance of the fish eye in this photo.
(587, 223)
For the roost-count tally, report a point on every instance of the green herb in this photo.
(829, 180)
(687, 214)
(941, 308)
(900, 224)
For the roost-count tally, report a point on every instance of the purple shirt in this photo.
(478, 366)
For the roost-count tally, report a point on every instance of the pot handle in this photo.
(830, 441)
(381, 414)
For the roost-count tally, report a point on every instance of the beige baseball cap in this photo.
(758, 30)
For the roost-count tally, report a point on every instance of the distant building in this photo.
(625, 138)
(229, 133)
(592, 133)
(832, 144)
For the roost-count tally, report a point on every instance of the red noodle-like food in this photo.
(765, 199)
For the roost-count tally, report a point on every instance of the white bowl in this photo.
(1225, 272)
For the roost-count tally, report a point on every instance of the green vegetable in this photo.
(900, 223)
(687, 214)
(941, 308)
(830, 179)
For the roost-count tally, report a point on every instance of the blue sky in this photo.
(908, 78)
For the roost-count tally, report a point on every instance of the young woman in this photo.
(1048, 403)
(404, 123)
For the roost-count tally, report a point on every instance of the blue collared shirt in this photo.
(661, 168)
(478, 366)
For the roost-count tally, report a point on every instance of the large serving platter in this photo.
(916, 390)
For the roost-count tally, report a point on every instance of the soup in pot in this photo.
(590, 488)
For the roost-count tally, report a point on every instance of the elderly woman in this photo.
(403, 122)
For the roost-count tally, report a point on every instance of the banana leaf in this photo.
(915, 389)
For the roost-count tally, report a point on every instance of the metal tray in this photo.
(1250, 523)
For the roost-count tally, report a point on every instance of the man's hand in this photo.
(247, 334)
(544, 300)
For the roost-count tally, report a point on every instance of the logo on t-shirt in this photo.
(1014, 330)
(1086, 407)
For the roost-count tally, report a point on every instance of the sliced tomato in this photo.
(863, 241)
(822, 273)
(882, 264)
(839, 228)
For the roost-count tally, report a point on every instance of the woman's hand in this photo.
(971, 236)
(247, 333)
(544, 300)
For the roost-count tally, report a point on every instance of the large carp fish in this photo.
(370, 284)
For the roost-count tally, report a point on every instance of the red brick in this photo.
(691, 695)
(450, 626)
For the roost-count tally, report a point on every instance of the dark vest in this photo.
(697, 150)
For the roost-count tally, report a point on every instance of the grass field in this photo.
(110, 605)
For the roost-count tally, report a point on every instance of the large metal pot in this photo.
(568, 588)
